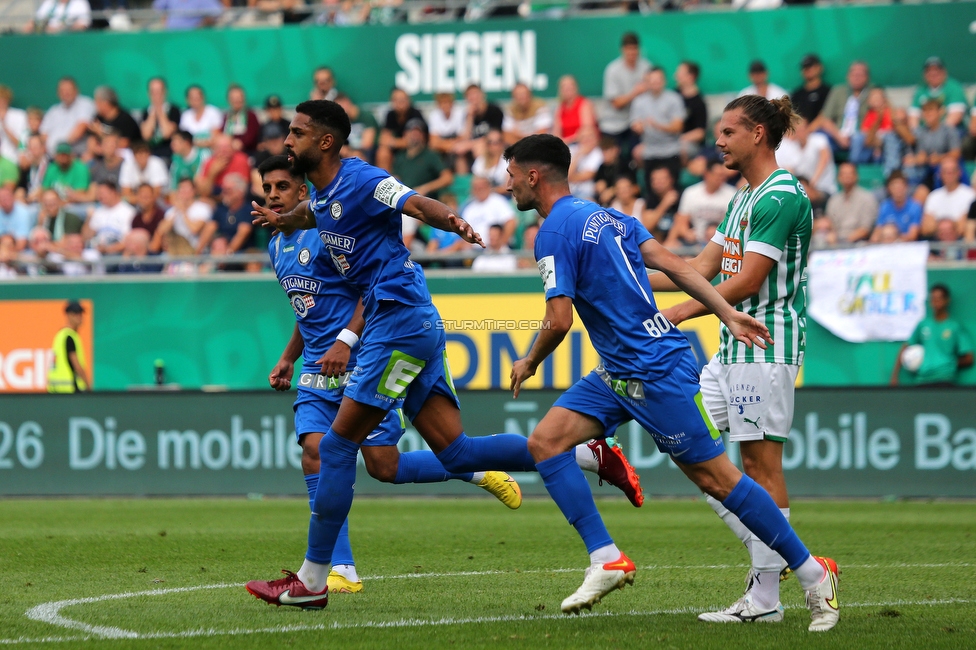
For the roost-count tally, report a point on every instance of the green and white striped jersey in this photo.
(775, 220)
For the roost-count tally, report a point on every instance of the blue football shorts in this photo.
(315, 411)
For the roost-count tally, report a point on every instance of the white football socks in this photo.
(314, 576)
(810, 573)
(740, 530)
(766, 566)
(605, 554)
(586, 459)
(347, 571)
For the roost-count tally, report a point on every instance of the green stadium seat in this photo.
(687, 179)
(871, 176)
(461, 187)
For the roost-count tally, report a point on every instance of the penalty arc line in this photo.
(51, 612)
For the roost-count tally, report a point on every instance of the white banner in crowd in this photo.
(872, 293)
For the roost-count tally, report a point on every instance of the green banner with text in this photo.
(881, 442)
(497, 54)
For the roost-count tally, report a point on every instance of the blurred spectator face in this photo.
(50, 202)
(186, 193)
(475, 98)
(801, 131)
(661, 181)
(847, 176)
(495, 234)
(624, 188)
(445, 102)
(588, 138)
(935, 75)
(496, 143)
(67, 91)
(233, 190)
(223, 146)
(73, 245)
(141, 157)
(110, 146)
(938, 301)
(568, 88)
(715, 175)
(5, 96)
(180, 146)
(157, 92)
(812, 72)
(889, 234)
(759, 78)
(857, 76)
(275, 112)
(480, 188)
(235, 99)
(630, 53)
(39, 241)
(898, 189)
(610, 150)
(63, 160)
(949, 170)
(8, 249)
(93, 148)
(528, 237)
(108, 195)
(682, 76)
(275, 146)
(6, 199)
(35, 149)
(345, 102)
(34, 118)
(145, 199)
(655, 81)
(521, 96)
(415, 138)
(323, 80)
(195, 98)
(218, 247)
(932, 114)
(877, 100)
(946, 230)
(136, 243)
(399, 101)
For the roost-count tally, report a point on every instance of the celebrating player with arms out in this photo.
(594, 260)
(761, 251)
(328, 318)
(402, 359)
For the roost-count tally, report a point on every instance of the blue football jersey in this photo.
(359, 222)
(323, 302)
(592, 255)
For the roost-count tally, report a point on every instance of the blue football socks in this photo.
(506, 452)
(423, 467)
(333, 497)
(568, 488)
(756, 509)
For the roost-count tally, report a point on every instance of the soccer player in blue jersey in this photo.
(594, 259)
(402, 359)
(328, 318)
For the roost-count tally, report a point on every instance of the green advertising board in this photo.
(898, 442)
(369, 60)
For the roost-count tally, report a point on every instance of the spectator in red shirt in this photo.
(225, 160)
(574, 111)
(867, 144)
(240, 122)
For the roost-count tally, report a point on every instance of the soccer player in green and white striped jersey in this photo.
(761, 251)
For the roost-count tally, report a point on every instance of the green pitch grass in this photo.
(465, 573)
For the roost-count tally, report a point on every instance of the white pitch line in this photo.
(51, 612)
(413, 623)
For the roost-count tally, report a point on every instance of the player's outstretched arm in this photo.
(708, 263)
(335, 361)
(555, 325)
(744, 327)
(301, 218)
(436, 214)
(281, 374)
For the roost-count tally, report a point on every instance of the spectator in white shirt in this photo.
(445, 124)
(951, 201)
(67, 121)
(497, 256)
(200, 118)
(109, 221)
(526, 115)
(759, 76)
(702, 208)
(13, 126)
(142, 167)
(186, 218)
(55, 16)
(586, 160)
(808, 154)
(487, 208)
(627, 197)
(492, 163)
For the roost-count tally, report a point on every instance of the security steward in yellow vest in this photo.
(68, 374)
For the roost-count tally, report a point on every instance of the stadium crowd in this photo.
(88, 181)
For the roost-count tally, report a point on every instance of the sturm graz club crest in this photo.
(335, 209)
(304, 256)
